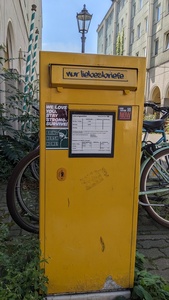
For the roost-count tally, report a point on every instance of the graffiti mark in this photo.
(94, 178)
(102, 244)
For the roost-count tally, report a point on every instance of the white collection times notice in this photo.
(92, 133)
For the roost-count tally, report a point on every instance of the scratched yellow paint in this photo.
(89, 205)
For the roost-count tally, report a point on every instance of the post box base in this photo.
(91, 296)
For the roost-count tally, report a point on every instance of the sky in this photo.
(60, 30)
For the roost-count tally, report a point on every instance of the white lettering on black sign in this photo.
(56, 116)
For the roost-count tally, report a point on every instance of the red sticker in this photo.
(124, 113)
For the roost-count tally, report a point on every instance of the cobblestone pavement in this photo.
(152, 238)
(153, 242)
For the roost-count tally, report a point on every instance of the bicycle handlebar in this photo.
(156, 107)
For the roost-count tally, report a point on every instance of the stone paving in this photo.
(152, 238)
(153, 242)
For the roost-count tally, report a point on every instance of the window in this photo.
(167, 6)
(117, 29)
(109, 39)
(145, 51)
(106, 42)
(118, 7)
(122, 23)
(122, 3)
(109, 20)
(134, 9)
(100, 33)
(146, 24)
(156, 42)
(139, 30)
(141, 4)
(158, 13)
(167, 40)
(132, 37)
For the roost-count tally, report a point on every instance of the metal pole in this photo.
(34, 54)
(83, 38)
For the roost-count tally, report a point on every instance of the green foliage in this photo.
(120, 43)
(167, 126)
(21, 277)
(140, 261)
(19, 123)
(150, 117)
(146, 285)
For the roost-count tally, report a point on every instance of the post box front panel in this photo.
(89, 204)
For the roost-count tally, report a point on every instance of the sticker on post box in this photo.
(56, 126)
(56, 115)
(125, 113)
(56, 138)
(91, 134)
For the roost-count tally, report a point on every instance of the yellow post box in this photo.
(91, 111)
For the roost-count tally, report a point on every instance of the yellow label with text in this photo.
(100, 77)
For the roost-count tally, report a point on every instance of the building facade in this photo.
(20, 42)
(140, 28)
(15, 22)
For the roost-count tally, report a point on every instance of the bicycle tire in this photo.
(22, 179)
(34, 166)
(155, 180)
(16, 209)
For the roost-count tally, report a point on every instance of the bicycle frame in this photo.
(162, 139)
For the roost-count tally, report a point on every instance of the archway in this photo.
(155, 95)
(166, 97)
(9, 46)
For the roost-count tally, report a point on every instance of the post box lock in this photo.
(61, 174)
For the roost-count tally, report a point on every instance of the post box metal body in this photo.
(91, 111)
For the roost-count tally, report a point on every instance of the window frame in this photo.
(166, 40)
(156, 46)
(133, 10)
(140, 4)
(146, 23)
(132, 37)
(158, 12)
(139, 31)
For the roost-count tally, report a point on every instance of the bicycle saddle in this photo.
(153, 125)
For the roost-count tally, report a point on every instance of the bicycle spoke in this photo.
(154, 187)
(23, 194)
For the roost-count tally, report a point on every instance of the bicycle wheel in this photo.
(155, 183)
(34, 166)
(26, 188)
(23, 194)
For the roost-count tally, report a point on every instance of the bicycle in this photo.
(154, 178)
(23, 193)
(157, 125)
(23, 185)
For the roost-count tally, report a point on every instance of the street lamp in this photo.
(83, 21)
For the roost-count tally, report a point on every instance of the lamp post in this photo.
(83, 21)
